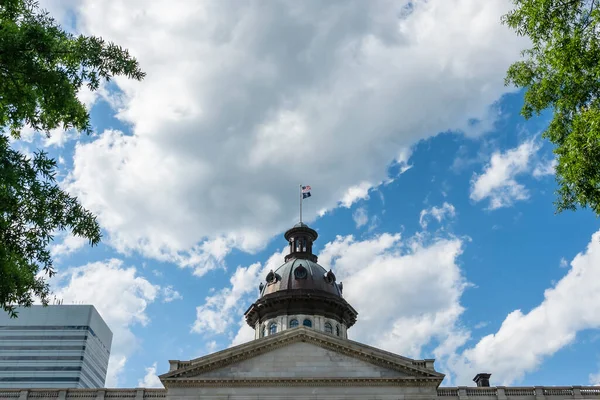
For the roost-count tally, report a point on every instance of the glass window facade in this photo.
(58, 346)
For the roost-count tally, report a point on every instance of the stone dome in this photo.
(301, 274)
(300, 286)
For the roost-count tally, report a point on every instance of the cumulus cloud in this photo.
(119, 294)
(447, 210)
(525, 339)
(407, 292)
(497, 182)
(150, 380)
(220, 310)
(244, 101)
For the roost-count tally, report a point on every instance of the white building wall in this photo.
(58, 346)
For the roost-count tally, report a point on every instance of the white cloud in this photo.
(119, 294)
(497, 182)
(360, 217)
(595, 379)
(524, 340)
(150, 380)
(69, 245)
(447, 210)
(564, 263)
(221, 309)
(243, 101)
(355, 193)
(407, 292)
(169, 294)
(244, 334)
(402, 159)
(545, 168)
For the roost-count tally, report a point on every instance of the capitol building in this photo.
(301, 350)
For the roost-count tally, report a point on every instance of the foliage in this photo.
(42, 69)
(561, 71)
(32, 207)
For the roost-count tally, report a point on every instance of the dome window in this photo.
(337, 330)
(293, 323)
(263, 332)
(272, 277)
(307, 322)
(272, 329)
(328, 328)
(300, 272)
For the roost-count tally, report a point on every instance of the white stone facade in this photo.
(283, 322)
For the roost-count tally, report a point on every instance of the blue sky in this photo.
(432, 196)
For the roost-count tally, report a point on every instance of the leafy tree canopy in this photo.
(561, 71)
(42, 68)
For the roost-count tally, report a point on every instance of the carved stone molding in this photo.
(316, 382)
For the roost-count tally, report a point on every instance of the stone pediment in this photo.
(302, 356)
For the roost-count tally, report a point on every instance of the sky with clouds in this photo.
(432, 196)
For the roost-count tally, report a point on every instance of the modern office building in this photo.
(58, 346)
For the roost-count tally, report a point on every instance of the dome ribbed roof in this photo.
(291, 276)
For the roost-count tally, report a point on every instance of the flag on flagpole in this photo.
(305, 192)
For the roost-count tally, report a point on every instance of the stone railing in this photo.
(68, 394)
(448, 393)
(533, 393)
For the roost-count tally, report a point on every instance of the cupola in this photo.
(300, 293)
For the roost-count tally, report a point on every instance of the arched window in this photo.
(337, 330)
(328, 328)
(307, 322)
(263, 332)
(272, 329)
(293, 323)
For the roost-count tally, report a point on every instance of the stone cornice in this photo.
(311, 382)
(301, 334)
(301, 301)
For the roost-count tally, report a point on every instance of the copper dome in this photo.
(301, 274)
(300, 285)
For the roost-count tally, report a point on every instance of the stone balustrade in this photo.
(521, 393)
(68, 394)
(447, 393)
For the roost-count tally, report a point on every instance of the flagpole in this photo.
(300, 203)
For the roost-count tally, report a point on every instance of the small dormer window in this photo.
(294, 323)
(263, 332)
(307, 322)
(272, 329)
(270, 277)
(328, 328)
(300, 272)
